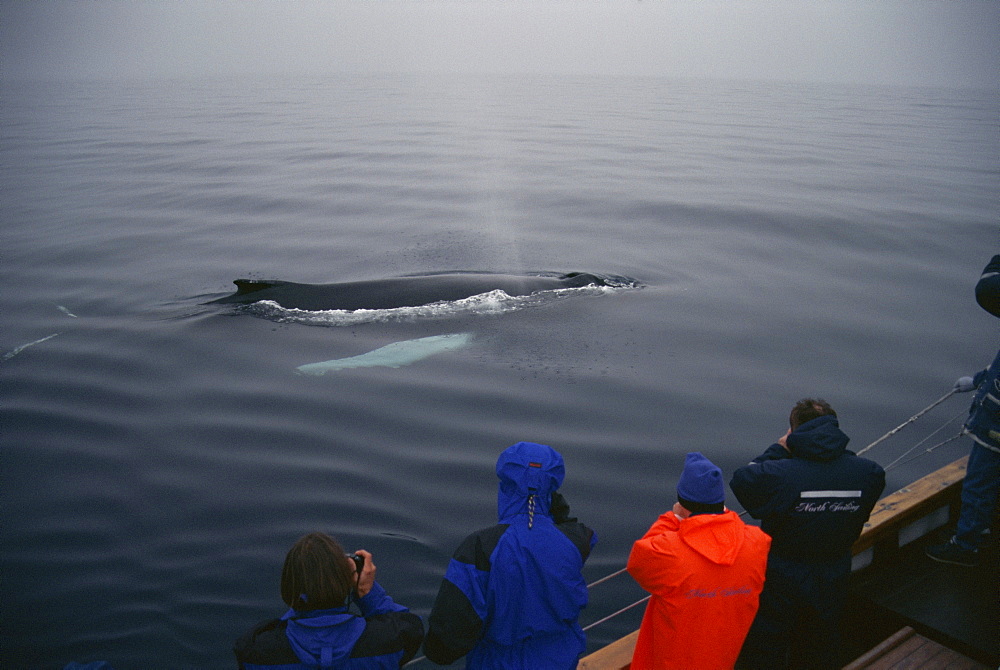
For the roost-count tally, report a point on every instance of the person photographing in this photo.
(319, 583)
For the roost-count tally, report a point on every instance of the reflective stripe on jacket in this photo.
(812, 499)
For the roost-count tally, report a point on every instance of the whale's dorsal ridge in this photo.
(411, 291)
(245, 286)
(579, 279)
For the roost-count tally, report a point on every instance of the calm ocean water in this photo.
(159, 455)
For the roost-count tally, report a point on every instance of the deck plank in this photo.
(882, 650)
(615, 656)
(908, 650)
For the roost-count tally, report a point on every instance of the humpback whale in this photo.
(411, 291)
(392, 355)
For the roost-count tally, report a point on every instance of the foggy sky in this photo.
(913, 42)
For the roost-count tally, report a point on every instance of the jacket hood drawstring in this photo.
(529, 474)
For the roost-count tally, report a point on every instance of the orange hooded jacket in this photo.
(705, 574)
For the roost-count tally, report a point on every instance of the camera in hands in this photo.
(359, 562)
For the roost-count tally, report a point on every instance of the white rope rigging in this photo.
(910, 420)
(899, 460)
(604, 579)
(612, 616)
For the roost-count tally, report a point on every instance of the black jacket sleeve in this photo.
(454, 626)
(388, 633)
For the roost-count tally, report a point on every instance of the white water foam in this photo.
(491, 303)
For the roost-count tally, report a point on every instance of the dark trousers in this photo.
(980, 490)
(799, 618)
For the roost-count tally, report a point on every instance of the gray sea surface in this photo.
(160, 455)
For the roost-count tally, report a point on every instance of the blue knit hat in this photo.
(701, 481)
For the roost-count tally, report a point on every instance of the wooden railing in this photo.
(912, 512)
(897, 519)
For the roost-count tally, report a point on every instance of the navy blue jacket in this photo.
(983, 424)
(512, 593)
(385, 636)
(814, 500)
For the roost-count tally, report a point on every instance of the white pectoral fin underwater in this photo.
(394, 355)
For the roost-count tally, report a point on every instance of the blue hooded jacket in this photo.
(812, 499)
(385, 636)
(512, 592)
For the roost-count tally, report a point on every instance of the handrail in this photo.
(897, 510)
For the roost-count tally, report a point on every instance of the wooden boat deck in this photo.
(908, 649)
(954, 606)
(905, 610)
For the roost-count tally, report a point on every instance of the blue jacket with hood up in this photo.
(814, 498)
(386, 635)
(512, 593)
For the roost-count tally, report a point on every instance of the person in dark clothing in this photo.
(981, 486)
(512, 592)
(813, 497)
(319, 582)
